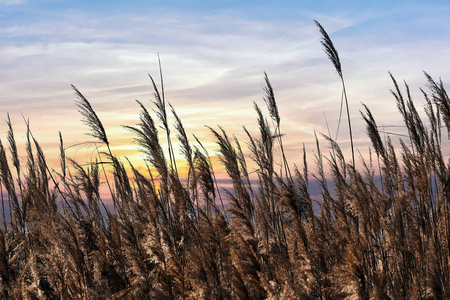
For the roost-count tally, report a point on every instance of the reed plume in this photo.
(333, 55)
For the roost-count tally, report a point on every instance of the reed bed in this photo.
(381, 232)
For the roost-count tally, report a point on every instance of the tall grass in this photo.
(382, 230)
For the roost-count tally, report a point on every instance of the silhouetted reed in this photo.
(381, 229)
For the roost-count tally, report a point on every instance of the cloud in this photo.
(213, 69)
(11, 2)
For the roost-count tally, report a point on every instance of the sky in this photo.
(213, 55)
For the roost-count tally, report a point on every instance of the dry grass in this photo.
(170, 237)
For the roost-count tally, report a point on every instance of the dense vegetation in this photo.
(382, 231)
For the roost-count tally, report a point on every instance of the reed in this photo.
(381, 231)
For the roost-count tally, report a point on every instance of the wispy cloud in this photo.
(213, 66)
(11, 2)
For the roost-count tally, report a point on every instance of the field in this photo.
(382, 229)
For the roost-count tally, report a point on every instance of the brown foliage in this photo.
(384, 236)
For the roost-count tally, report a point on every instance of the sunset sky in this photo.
(214, 55)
